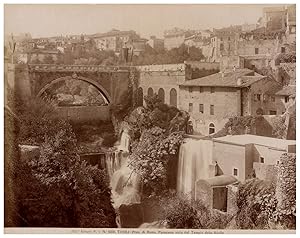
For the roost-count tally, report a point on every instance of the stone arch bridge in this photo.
(34, 79)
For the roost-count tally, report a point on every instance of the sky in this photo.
(54, 20)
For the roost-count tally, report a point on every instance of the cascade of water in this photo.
(124, 182)
(124, 141)
(195, 156)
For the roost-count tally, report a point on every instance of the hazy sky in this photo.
(53, 20)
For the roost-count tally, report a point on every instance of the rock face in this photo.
(131, 216)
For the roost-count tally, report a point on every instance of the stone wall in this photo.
(232, 191)
(166, 77)
(23, 87)
(247, 47)
(226, 102)
(204, 193)
(265, 171)
(266, 103)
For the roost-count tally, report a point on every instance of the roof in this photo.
(254, 139)
(287, 91)
(229, 79)
(273, 88)
(221, 180)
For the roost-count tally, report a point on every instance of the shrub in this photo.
(181, 212)
(256, 204)
(57, 189)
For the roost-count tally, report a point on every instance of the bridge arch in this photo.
(101, 89)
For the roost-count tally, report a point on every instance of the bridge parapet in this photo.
(76, 68)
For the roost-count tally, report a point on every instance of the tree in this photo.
(173, 56)
(57, 189)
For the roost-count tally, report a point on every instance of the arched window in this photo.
(211, 128)
(161, 95)
(140, 96)
(150, 92)
(173, 97)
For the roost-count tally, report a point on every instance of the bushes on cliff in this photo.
(181, 213)
(286, 191)
(150, 156)
(57, 189)
(157, 132)
(256, 204)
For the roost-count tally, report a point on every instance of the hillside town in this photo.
(195, 130)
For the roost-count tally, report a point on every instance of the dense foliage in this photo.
(181, 213)
(260, 203)
(173, 56)
(286, 191)
(256, 204)
(56, 188)
(157, 132)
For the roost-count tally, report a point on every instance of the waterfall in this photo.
(125, 185)
(124, 182)
(124, 141)
(195, 157)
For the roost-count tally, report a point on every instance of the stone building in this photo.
(155, 43)
(291, 23)
(164, 80)
(224, 42)
(285, 97)
(211, 100)
(175, 37)
(274, 18)
(114, 40)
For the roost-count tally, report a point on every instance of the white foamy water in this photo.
(195, 156)
(124, 182)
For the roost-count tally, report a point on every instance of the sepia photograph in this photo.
(163, 118)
